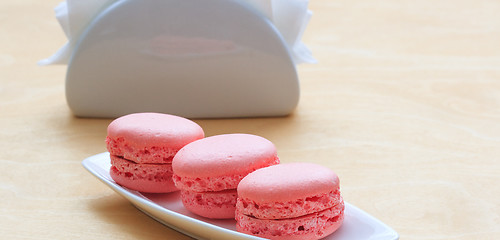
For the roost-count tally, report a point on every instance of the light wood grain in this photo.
(404, 105)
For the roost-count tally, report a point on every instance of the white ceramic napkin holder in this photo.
(193, 58)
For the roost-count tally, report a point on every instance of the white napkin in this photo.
(290, 17)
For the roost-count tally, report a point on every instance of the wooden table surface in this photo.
(404, 104)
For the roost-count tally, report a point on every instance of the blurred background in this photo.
(404, 104)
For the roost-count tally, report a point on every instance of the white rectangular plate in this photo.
(167, 209)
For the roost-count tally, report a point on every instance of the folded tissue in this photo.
(195, 58)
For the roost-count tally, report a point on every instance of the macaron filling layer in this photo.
(312, 226)
(218, 183)
(152, 172)
(145, 154)
(289, 209)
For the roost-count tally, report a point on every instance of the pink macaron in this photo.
(207, 171)
(142, 146)
(290, 201)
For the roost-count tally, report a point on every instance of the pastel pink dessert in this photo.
(142, 146)
(290, 201)
(207, 171)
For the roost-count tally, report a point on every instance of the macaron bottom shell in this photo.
(215, 205)
(289, 209)
(151, 178)
(309, 227)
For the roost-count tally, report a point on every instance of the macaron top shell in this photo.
(287, 182)
(222, 155)
(143, 130)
